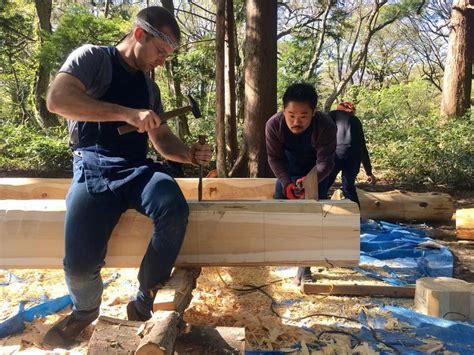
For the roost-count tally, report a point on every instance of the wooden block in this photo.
(445, 297)
(199, 340)
(465, 223)
(176, 294)
(220, 233)
(310, 184)
(403, 205)
(358, 290)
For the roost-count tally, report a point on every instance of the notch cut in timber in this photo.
(219, 233)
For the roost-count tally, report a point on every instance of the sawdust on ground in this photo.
(218, 301)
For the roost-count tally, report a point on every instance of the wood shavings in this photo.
(214, 304)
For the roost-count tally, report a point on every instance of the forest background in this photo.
(388, 57)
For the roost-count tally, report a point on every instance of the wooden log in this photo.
(403, 205)
(199, 340)
(176, 294)
(465, 223)
(159, 334)
(358, 290)
(445, 297)
(213, 189)
(221, 233)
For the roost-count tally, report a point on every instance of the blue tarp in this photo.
(456, 336)
(399, 251)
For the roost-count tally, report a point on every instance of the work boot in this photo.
(63, 334)
(133, 314)
(303, 275)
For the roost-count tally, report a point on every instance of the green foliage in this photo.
(17, 65)
(408, 140)
(23, 147)
(76, 27)
(196, 71)
(293, 62)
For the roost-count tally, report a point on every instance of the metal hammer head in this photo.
(194, 107)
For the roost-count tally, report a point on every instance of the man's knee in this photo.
(82, 268)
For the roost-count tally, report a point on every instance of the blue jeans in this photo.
(350, 168)
(90, 220)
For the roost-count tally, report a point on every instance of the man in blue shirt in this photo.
(97, 90)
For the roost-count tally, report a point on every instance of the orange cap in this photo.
(346, 106)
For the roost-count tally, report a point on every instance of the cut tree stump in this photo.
(357, 290)
(114, 336)
(403, 205)
(465, 223)
(120, 337)
(445, 297)
(219, 233)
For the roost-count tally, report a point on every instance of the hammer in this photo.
(165, 116)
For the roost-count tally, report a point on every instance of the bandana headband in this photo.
(154, 32)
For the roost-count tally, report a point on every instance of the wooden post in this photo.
(358, 290)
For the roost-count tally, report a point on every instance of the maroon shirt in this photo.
(323, 140)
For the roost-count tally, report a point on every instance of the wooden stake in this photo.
(358, 290)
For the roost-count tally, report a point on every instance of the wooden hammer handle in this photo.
(165, 116)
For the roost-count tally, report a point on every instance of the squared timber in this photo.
(219, 233)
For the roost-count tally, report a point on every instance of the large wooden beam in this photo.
(219, 233)
(404, 205)
(392, 205)
(213, 188)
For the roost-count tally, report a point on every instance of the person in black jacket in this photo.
(351, 150)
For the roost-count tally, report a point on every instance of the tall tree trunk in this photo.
(230, 97)
(458, 69)
(260, 80)
(107, 7)
(220, 89)
(182, 121)
(43, 116)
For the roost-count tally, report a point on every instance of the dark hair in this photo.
(159, 17)
(301, 92)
